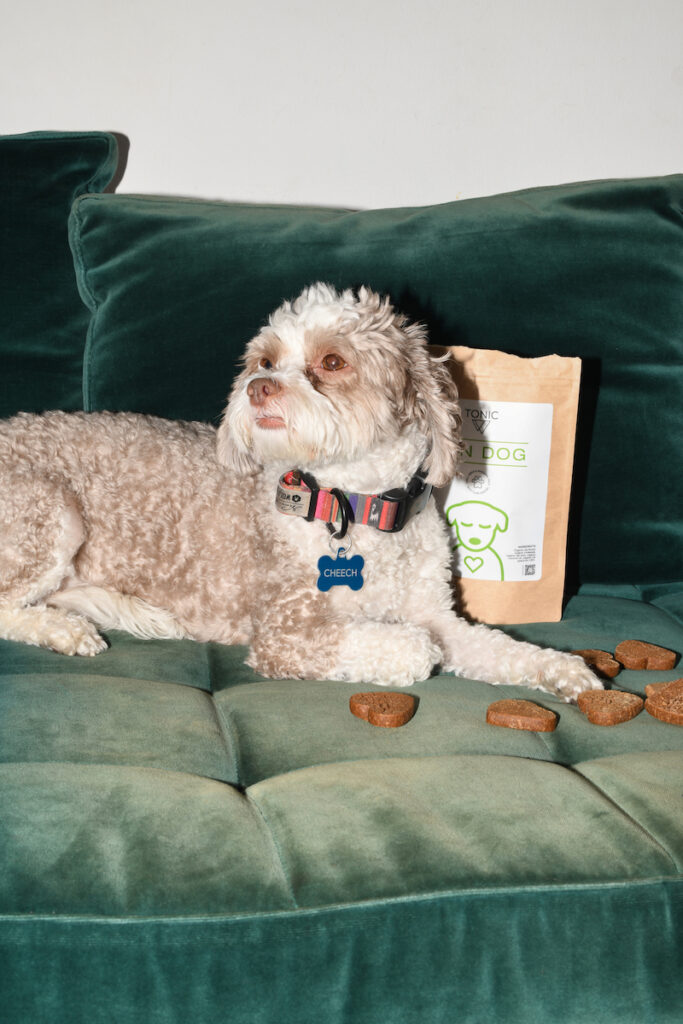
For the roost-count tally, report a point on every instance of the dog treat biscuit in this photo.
(388, 710)
(652, 689)
(667, 703)
(601, 661)
(636, 654)
(609, 707)
(521, 714)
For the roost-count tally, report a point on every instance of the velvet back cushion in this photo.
(43, 322)
(176, 287)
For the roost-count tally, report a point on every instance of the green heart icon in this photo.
(473, 563)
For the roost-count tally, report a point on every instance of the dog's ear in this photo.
(432, 401)
(502, 520)
(233, 447)
(427, 394)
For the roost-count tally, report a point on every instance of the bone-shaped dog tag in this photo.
(340, 571)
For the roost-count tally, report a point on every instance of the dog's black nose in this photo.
(262, 388)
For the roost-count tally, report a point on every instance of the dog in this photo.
(303, 526)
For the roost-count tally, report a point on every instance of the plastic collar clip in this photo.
(409, 500)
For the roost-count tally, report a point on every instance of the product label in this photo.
(496, 505)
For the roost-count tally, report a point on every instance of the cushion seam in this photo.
(97, 181)
(676, 619)
(403, 757)
(75, 232)
(627, 887)
(517, 194)
(629, 817)
(277, 852)
(103, 173)
(550, 759)
(230, 739)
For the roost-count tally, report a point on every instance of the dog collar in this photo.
(298, 494)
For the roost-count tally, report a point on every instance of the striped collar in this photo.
(298, 494)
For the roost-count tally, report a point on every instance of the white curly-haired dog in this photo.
(334, 434)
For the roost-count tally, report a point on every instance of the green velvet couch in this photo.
(182, 840)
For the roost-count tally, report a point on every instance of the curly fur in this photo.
(169, 529)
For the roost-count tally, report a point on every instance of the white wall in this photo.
(356, 102)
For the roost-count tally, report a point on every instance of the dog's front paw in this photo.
(386, 653)
(72, 635)
(52, 628)
(566, 675)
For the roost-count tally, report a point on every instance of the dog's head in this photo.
(476, 523)
(331, 377)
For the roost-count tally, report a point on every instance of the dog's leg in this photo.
(56, 630)
(352, 650)
(41, 530)
(399, 654)
(297, 634)
(481, 652)
(318, 645)
(385, 653)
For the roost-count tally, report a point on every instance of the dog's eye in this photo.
(265, 363)
(332, 362)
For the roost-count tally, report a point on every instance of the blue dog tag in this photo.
(340, 571)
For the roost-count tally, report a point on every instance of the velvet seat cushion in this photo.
(136, 841)
(177, 287)
(42, 320)
(197, 708)
(175, 828)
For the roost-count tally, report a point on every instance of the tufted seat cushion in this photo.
(167, 784)
(197, 709)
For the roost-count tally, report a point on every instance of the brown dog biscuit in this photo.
(636, 654)
(667, 703)
(601, 661)
(609, 707)
(652, 689)
(521, 714)
(388, 710)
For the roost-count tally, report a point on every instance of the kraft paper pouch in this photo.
(509, 504)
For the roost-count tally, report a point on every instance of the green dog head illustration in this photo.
(476, 523)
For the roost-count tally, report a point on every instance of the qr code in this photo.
(530, 569)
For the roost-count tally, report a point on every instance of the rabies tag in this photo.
(340, 571)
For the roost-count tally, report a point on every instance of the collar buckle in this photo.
(409, 501)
